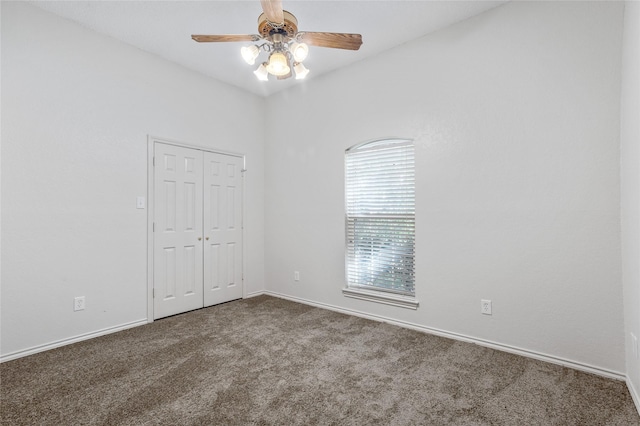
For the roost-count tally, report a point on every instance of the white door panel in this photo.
(222, 228)
(178, 230)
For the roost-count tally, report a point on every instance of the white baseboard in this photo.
(70, 340)
(634, 394)
(461, 337)
(429, 330)
(86, 336)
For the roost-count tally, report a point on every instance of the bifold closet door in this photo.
(178, 245)
(222, 228)
(197, 245)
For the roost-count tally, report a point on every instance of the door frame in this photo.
(151, 141)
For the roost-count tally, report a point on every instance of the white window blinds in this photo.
(380, 216)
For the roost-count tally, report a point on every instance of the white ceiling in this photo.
(164, 28)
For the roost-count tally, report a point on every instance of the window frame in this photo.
(379, 294)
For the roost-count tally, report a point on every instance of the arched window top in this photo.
(379, 144)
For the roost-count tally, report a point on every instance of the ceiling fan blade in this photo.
(273, 10)
(225, 37)
(332, 40)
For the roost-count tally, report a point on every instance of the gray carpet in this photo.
(267, 361)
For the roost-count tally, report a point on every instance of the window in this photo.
(380, 222)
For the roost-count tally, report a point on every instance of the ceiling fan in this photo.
(287, 47)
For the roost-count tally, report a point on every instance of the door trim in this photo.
(151, 141)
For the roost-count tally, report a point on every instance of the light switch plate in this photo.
(140, 202)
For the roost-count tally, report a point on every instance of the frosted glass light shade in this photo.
(262, 73)
(299, 51)
(301, 71)
(250, 53)
(278, 64)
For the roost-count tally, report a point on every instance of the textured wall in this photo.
(77, 108)
(630, 184)
(515, 116)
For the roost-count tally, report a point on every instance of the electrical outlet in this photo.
(485, 307)
(78, 303)
(634, 345)
(296, 276)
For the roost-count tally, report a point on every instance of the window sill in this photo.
(382, 297)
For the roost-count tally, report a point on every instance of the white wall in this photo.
(515, 116)
(77, 109)
(630, 184)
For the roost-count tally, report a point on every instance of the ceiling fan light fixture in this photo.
(285, 46)
(261, 72)
(299, 51)
(250, 53)
(301, 71)
(278, 65)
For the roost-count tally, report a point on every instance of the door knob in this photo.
(207, 238)
(199, 238)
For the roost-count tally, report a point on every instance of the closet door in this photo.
(178, 244)
(222, 228)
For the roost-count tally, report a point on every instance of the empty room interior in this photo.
(514, 295)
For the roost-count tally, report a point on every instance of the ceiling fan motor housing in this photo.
(288, 29)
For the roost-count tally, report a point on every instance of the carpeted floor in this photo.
(267, 361)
